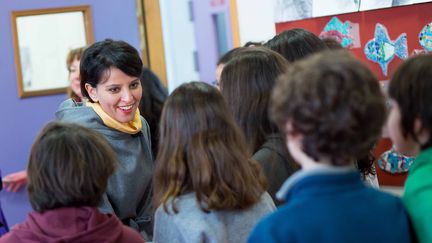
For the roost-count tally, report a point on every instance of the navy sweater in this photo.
(333, 205)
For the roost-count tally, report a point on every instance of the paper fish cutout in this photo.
(394, 162)
(425, 37)
(382, 50)
(339, 31)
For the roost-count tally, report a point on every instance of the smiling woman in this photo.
(118, 95)
(110, 72)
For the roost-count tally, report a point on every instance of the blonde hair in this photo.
(72, 55)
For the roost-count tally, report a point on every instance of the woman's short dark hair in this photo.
(411, 87)
(246, 84)
(335, 102)
(98, 58)
(69, 166)
(295, 44)
(202, 150)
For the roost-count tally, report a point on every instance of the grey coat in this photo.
(129, 189)
(192, 225)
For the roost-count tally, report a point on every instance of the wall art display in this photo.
(289, 10)
(346, 33)
(382, 50)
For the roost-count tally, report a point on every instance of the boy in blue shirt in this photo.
(331, 111)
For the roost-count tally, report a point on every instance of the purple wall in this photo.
(21, 119)
(205, 34)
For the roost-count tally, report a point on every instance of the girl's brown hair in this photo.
(246, 84)
(69, 166)
(201, 150)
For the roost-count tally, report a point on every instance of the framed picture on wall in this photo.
(42, 39)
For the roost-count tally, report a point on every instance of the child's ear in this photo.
(421, 133)
(290, 130)
(293, 135)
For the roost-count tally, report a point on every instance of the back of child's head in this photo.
(411, 87)
(222, 61)
(246, 84)
(334, 102)
(296, 44)
(201, 150)
(332, 43)
(228, 56)
(69, 166)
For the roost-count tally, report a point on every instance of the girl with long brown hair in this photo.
(207, 189)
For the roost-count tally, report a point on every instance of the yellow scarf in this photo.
(132, 127)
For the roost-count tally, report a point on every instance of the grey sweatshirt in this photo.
(129, 189)
(192, 225)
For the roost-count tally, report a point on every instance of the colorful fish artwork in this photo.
(346, 33)
(425, 37)
(382, 50)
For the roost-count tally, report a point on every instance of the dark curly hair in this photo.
(335, 102)
(411, 88)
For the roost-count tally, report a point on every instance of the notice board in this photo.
(409, 19)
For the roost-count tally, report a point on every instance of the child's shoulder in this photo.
(277, 225)
(384, 206)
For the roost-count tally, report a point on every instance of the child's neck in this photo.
(308, 163)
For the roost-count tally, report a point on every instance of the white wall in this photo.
(179, 42)
(256, 23)
(256, 20)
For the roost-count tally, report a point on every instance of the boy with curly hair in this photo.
(331, 111)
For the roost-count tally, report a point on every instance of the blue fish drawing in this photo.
(425, 37)
(338, 30)
(382, 50)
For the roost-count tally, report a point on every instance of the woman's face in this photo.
(74, 77)
(406, 146)
(119, 95)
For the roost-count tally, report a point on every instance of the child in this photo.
(409, 126)
(246, 84)
(207, 189)
(331, 110)
(365, 164)
(68, 170)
